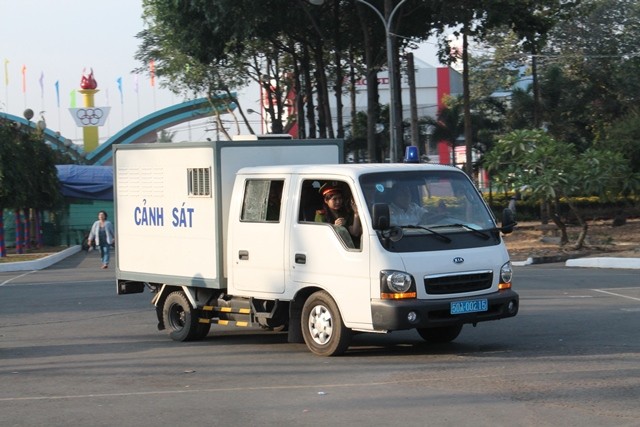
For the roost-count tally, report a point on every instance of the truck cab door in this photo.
(256, 256)
(321, 255)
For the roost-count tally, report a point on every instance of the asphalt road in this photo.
(73, 353)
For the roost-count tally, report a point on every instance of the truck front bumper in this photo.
(394, 315)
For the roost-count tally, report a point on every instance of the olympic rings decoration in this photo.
(89, 116)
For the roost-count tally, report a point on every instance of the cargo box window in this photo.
(262, 200)
(199, 182)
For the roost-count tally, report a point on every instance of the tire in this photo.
(440, 335)
(202, 330)
(322, 326)
(181, 320)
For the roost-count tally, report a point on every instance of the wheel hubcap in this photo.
(320, 324)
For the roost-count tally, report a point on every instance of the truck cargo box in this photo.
(172, 203)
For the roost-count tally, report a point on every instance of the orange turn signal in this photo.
(405, 295)
(503, 286)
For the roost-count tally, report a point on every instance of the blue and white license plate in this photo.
(471, 306)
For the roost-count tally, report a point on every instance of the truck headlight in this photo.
(506, 273)
(396, 285)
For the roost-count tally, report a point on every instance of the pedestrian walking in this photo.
(103, 233)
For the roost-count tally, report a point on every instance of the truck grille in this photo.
(469, 282)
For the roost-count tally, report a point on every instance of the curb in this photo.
(612, 262)
(595, 262)
(41, 263)
(542, 260)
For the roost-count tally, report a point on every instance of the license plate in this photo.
(471, 306)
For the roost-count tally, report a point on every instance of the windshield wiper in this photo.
(435, 233)
(475, 231)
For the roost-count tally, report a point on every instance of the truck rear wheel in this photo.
(181, 320)
(440, 335)
(322, 326)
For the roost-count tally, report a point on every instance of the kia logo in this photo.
(458, 260)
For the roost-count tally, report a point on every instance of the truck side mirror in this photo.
(508, 221)
(380, 213)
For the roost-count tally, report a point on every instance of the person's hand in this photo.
(354, 207)
(340, 221)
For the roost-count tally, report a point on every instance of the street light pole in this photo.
(393, 113)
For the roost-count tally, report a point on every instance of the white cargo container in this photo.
(227, 233)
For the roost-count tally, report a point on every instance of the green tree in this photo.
(529, 20)
(165, 136)
(598, 52)
(449, 124)
(624, 136)
(28, 176)
(552, 170)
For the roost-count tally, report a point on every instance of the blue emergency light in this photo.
(411, 154)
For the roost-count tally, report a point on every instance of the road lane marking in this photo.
(17, 277)
(616, 295)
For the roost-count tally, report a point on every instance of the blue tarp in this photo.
(86, 182)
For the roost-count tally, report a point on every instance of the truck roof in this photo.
(348, 169)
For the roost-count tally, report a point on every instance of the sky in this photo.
(55, 41)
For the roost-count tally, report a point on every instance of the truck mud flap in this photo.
(128, 287)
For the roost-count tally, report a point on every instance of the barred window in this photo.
(199, 182)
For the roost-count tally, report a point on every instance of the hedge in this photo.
(592, 207)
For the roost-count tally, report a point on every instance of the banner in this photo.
(119, 80)
(6, 72)
(24, 78)
(152, 72)
(41, 84)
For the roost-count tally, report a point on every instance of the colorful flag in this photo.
(24, 78)
(41, 84)
(152, 71)
(73, 98)
(6, 72)
(119, 80)
(57, 85)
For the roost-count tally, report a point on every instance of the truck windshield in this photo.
(443, 201)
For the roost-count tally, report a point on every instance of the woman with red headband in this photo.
(336, 212)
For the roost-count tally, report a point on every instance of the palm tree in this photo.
(449, 124)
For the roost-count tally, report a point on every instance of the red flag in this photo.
(152, 71)
(24, 78)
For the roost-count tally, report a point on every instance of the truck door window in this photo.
(318, 205)
(262, 200)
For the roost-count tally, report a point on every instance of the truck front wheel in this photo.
(181, 320)
(322, 326)
(440, 335)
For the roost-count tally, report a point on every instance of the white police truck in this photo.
(226, 233)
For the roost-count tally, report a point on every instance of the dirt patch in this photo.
(532, 239)
(31, 254)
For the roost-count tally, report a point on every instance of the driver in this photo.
(402, 210)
